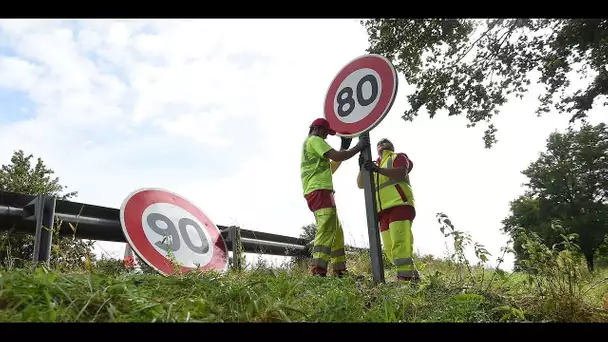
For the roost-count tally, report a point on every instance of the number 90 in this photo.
(154, 218)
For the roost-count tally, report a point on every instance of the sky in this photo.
(217, 110)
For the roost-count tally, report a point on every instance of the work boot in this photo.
(317, 271)
(341, 273)
(415, 278)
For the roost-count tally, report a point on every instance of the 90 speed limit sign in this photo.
(160, 225)
(360, 95)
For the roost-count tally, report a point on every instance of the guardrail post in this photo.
(234, 236)
(44, 212)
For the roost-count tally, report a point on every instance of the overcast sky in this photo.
(216, 110)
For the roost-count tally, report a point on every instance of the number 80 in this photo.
(348, 91)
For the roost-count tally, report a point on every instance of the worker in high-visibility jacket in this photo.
(319, 161)
(395, 205)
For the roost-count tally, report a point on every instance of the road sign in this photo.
(357, 100)
(160, 225)
(360, 95)
(128, 259)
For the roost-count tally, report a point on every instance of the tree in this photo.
(601, 255)
(308, 232)
(21, 177)
(470, 66)
(569, 183)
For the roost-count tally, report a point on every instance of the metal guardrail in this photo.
(29, 214)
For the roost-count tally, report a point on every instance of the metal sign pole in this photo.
(372, 219)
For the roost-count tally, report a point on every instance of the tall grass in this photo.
(556, 288)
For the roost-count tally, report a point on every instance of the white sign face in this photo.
(357, 95)
(173, 230)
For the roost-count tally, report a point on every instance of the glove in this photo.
(345, 143)
(371, 166)
(363, 142)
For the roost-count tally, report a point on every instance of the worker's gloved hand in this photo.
(345, 143)
(363, 142)
(371, 166)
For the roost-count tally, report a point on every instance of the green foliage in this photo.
(143, 267)
(110, 267)
(308, 232)
(558, 291)
(601, 255)
(558, 275)
(16, 249)
(109, 293)
(466, 275)
(21, 177)
(471, 66)
(568, 183)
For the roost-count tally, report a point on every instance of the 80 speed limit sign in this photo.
(360, 95)
(160, 225)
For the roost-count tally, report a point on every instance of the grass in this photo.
(284, 294)
(556, 287)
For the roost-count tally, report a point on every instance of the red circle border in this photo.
(388, 78)
(131, 214)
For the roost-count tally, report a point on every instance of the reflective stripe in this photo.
(404, 261)
(309, 162)
(319, 263)
(339, 266)
(304, 154)
(337, 253)
(389, 165)
(389, 183)
(321, 249)
(405, 274)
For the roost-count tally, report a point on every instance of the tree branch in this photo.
(490, 28)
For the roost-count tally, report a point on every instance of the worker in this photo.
(319, 162)
(395, 206)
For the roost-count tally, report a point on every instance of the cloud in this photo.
(178, 104)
